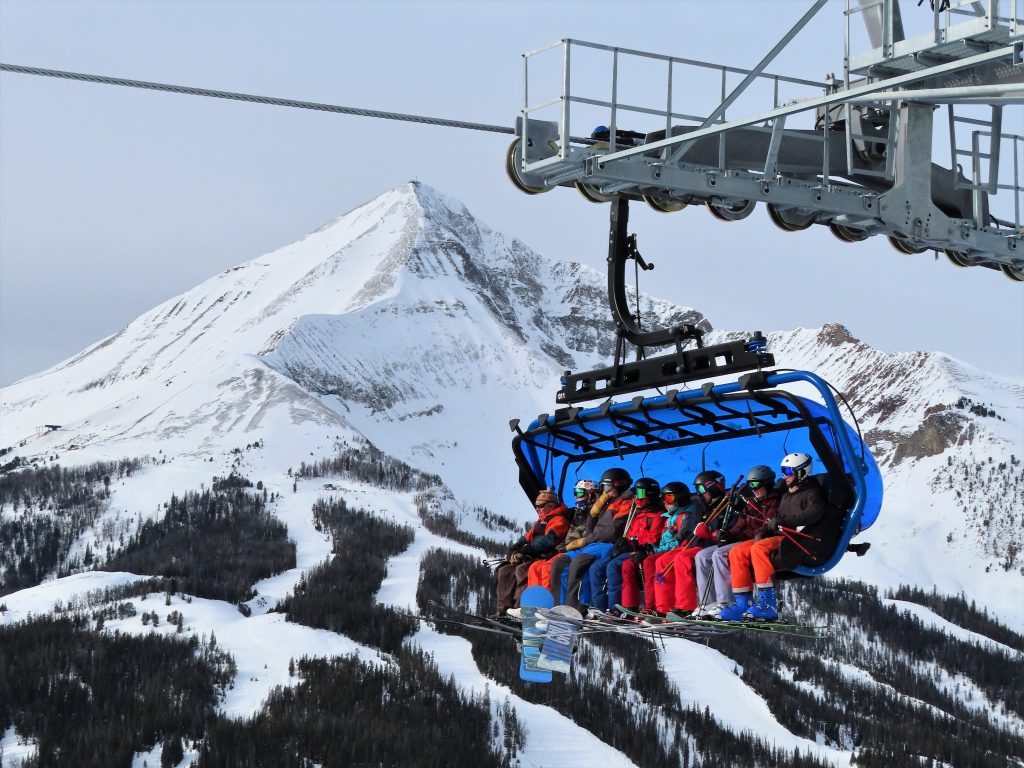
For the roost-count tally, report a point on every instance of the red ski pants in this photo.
(750, 562)
(631, 582)
(539, 574)
(675, 587)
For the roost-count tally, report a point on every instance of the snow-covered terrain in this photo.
(409, 324)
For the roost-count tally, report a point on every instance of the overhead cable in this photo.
(272, 100)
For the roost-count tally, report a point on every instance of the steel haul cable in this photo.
(270, 100)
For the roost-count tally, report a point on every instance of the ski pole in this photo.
(632, 513)
(799, 533)
(794, 542)
(707, 587)
(720, 507)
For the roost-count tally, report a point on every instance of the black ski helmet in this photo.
(761, 474)
(709, 480)
(616, 477)
(680, 490)
(647, 488)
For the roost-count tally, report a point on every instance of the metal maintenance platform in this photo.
(855, 153)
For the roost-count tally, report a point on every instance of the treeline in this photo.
(904, 709)
(370, 465)
(339, 595)
(446, 524)
(956, 609)
(214, 544)
(660, 732)
(345, 713)
(43, 511)
(94, 699)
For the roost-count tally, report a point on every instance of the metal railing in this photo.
(900, 40)
(667, 116)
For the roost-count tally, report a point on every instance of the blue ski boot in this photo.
(765, 608)
(735, 611)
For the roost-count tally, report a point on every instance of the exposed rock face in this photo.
(834, 335)
(939, 432)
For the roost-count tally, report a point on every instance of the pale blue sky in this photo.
(112, 200)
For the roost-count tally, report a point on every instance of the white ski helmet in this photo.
(798, 464)
(585, 492)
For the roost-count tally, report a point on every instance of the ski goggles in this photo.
(607, 485)
(579, 493)
(640, 493)
(755, 484)
(788, 471)
(544, 505)
(670, 498)
(707, 487)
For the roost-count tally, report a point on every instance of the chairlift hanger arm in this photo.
(652, 372)
(621, 249)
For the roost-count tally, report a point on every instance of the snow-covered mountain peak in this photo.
(393, 310)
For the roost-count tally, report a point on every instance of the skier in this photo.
(608, 515)
(756, 503)
(585, 493)
(803, 503)
(538, 542)
(675, 588)
(676, 498)
(642, 531)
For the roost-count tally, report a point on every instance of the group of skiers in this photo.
(707, 553)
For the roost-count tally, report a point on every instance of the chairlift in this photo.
(729, 426)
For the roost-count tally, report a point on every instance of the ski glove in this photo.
(598, 506)
(516, 558)
(770, 529)
(641, 554)
(703, 532)
(574, 545)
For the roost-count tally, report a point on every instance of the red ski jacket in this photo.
(647, 526)
(547, 533)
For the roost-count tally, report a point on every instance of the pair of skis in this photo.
(715, 626)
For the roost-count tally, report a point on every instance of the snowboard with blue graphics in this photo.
(564, 625)
(533, 634)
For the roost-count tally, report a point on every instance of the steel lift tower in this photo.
(862, 161)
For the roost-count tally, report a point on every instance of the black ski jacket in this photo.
(808, 506)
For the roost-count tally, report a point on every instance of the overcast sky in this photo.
(113, 200)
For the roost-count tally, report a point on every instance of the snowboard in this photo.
(564, 625)
(534, 628)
